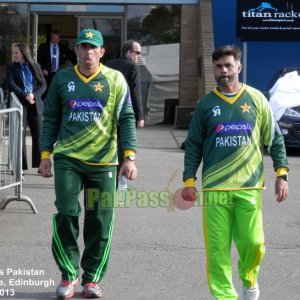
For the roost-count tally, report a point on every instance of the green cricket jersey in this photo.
(228, 133)
(81, 116)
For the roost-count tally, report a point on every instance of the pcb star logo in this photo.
(245, 108)
(89, 35)
(98, 87)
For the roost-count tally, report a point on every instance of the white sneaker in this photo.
(65, 289)
(91, 290)
(251, 293)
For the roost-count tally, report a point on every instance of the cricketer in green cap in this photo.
(90, 36)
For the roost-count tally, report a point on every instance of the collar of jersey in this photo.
(85, 79)
(230, 100)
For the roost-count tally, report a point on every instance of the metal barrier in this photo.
(11, 152)
(1, 98)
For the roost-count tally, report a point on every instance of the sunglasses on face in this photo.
(137, 52)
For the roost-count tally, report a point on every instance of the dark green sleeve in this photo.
(126, 121)
(194, 144)
(52, 117)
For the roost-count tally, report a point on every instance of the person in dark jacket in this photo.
(52, 55)
(26, 80)
(127, 65)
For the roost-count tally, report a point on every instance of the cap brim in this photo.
(89, 42)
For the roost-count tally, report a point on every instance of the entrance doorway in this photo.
(111, 27)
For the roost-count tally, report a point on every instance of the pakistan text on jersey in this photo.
(84, 116)
(232, 141)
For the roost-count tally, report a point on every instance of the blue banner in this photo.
(274, 20)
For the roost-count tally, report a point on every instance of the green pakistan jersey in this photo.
(81, 116)
(228, 133)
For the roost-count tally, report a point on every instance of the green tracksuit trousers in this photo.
(98, 183)
(237, 216)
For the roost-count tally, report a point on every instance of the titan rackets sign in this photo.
(275, 20)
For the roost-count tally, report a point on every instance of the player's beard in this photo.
(225, 81)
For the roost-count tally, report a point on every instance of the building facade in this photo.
(176, 37)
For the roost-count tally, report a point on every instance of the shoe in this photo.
(251, 293)
(66, 289)
(91, 290)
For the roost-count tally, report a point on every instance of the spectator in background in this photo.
(127, 65)
(52, 55)
(26, 80)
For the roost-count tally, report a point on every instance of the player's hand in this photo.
(189, 193)
(281, 189)
(45, 168)
(129, 169)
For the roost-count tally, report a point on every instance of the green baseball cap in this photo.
(90, 36)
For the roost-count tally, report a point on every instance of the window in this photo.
(13, 29)
(157, 29)
(154, 24)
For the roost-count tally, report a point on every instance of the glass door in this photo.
(112, 29)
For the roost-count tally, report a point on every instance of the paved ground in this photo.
(156, 254)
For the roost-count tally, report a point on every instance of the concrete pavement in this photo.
(156, 254)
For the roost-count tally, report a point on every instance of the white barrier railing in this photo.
(11, 153)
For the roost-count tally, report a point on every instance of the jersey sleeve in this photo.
(272, 136)
(52, 117)
(194, 144)
(125, 117)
